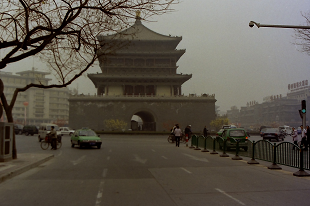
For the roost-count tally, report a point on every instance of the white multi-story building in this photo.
(35, 105)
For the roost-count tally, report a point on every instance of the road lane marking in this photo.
(139, 159)
(224, 193)
(189, 172)
(196, 158)
(104, 173)
(99, 195)
(100, 191)
(164, 157)
(78, 161)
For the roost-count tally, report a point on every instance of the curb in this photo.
(23, 168)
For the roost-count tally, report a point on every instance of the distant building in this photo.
(141, 79)
(275, 110)
(35, 105)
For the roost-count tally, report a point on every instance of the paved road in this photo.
(147, 170)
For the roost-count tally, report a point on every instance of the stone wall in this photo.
(91, 112)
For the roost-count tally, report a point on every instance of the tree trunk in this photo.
(8, 112)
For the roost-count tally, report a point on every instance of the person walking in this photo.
(177, 133)
(303, 136)
(188, 132)
(308, 137)
(172, 132)
(295, 136)
(53, 136)
(205, 131)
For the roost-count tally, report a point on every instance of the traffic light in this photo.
(303, 106)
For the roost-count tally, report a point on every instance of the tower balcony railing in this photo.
(191, 96)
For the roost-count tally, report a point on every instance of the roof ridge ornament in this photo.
(138, 13)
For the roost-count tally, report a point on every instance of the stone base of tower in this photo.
(157, 113)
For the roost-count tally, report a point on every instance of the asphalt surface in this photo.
(27, 161)
(142, 170)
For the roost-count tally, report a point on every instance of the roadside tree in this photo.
(115, 125)
(63, 34)
(303, 35)
(219, 122)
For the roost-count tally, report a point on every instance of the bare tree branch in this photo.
(302, 36)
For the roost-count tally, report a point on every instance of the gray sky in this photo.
(227, 58)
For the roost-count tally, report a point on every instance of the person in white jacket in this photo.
(301, 135)
(295, 136)
(177, 134)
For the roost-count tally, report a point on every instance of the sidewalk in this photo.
(23, 163)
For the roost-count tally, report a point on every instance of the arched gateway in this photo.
(141, 79)
(148, 121)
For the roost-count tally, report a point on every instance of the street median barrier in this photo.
(284, 153)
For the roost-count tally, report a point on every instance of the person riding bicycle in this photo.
(53, 136)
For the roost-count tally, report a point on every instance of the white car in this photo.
(66, 131)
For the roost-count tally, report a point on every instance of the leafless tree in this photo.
(303, 36)
(63, 34)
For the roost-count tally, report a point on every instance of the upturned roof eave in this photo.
(181, 78)
(138, 32)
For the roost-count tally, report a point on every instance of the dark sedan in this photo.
(273, 133)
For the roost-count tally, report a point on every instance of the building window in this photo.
(139, 89)
(150, 90)
(128, 90)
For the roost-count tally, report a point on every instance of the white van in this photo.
(229, 126)
(45, 128)
(287, 130)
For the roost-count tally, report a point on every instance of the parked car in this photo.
(30, 130)
(273, 133)
(262, 131)
(66, 131)
(18, 128)
(232, 136)
(85, 137)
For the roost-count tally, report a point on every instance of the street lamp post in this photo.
(301, 172)
(252, 23)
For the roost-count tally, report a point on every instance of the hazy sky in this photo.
(227, 58)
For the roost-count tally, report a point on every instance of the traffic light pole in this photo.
(304, 120)
(303, 113)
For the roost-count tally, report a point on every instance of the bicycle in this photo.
(47, 141)
(171, 139)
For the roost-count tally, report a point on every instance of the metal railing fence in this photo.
(284, 153)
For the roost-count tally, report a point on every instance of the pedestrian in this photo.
(308, 137)
(295, 136)
(205, 131)
(177, 133)
(188, 131)
(303, 136)
(53, 136)
(172, 132)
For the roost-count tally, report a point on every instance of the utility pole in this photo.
(302, 113)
